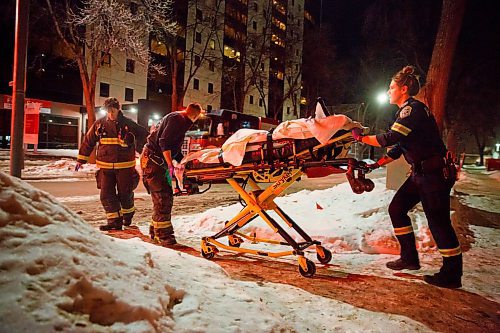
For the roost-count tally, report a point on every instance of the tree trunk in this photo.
(174, 86)
(438, 75)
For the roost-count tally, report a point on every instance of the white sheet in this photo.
(233, 150)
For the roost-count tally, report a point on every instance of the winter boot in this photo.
(409, 254)
(165, 237)
(400, 264)
(450, 275)
(127, 222)
(115, 224)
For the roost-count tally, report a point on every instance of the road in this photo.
(82, 194)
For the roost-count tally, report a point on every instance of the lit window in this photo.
(212, 44)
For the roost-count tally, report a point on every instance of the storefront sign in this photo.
(31, 122)
(7, 103)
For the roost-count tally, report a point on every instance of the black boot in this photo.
(409, 254)
(115, 224)
(450, 275)
(400, 264)
(443, 280)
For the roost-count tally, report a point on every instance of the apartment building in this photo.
(246, 55)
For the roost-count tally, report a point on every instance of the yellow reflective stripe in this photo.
(403, 230)
(117, 165)
(127, 210)
(113, 215)
(401, 129)
(83, 157)
(112, 141)
(451, 252)
(161, 224)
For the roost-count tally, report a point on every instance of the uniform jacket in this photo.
(169, 134)
(116, 140)
(414, 134)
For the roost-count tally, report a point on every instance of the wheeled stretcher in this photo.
(279, 163)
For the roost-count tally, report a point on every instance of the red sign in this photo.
(31, 122)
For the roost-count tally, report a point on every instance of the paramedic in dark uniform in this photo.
(415, 135)
(117, 138)
(162, 147)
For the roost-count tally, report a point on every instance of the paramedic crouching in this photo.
(415, 135)
(162, 147)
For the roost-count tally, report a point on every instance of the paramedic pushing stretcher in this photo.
(117, 138)
(415, 135)
(163, 145)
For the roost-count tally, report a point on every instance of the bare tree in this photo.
(92, 29)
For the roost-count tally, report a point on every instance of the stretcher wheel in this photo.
(327, 258)
(210, 253)
(311, 269)
(369, 185)
(235, 241)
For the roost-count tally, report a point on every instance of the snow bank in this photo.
(59, 274)
(342, 220)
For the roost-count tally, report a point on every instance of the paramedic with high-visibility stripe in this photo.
(117, 138)
(415, 135)
(162, 148)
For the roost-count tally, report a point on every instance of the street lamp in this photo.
(382, 98)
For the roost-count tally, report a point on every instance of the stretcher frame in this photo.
(258, 201)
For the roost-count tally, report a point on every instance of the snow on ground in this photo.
(354, 227)
(481, 199)
(60, 274)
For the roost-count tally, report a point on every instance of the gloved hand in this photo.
(170, 174)
(357, 133)
(373, 166)
(78, 166)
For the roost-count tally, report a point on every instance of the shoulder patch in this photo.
(405, 112)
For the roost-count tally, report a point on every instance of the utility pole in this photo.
(19, 88)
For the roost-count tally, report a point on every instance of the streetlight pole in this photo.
(19, 88)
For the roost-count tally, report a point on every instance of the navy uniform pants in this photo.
(433, 191)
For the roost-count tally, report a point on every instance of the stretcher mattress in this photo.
(301, 137)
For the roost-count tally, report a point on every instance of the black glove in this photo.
(357, 133)
(373, 166)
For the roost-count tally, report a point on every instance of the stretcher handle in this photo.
(321, 102)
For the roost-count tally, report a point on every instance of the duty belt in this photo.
(433, 164)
